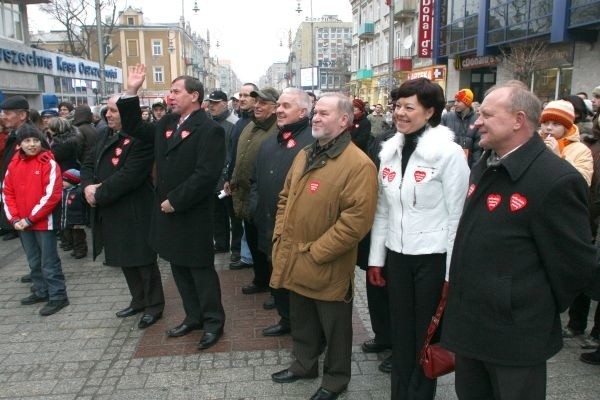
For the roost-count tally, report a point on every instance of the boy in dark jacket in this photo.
(74, 214)
(31, 194)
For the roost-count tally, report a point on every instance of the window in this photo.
(10, 21)
(130, 21)
(132, 48)
(159, 76)
(157, 47)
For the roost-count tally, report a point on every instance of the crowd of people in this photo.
(493, 205)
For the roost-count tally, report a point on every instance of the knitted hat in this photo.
(15, 103)
(560, 111)
(49, 112)
(465, 96)
(29, 130)
(358, 103)
(71, 176)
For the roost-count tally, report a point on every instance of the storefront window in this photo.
(553, 83)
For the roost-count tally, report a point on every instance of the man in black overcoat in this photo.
(522, 252)
(189, 154)
(116, 179)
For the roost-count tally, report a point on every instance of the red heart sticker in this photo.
(168, 133)
(385, 172)
(420, 175)
(115, 161)
(517, 202)
(118, 151)
(391, 176)
(471, 190)
(291, 143)
(185, 134)
(313, 186)
(286, 135)
(493, 200)
(126, 141)
(69, 201)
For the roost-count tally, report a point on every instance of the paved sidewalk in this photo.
(85, 352)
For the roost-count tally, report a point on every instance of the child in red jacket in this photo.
(32, 191)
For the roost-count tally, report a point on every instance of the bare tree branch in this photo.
(525, 58)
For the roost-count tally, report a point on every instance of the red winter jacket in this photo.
(32, 189)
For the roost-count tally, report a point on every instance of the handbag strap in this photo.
(435, 320)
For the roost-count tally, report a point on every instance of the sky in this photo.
(249, 32)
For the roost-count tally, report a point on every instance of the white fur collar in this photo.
(430, 146)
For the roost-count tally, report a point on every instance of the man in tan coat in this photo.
(325, 208)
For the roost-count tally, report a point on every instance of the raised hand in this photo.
(136, 76)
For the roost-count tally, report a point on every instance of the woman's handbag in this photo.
(436, 360)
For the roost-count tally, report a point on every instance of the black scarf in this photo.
(410, 144)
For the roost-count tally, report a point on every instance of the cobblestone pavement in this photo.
(85, 352)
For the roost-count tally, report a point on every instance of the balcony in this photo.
(363, 74)
(405, 9)
(402, 64)
(366, 30)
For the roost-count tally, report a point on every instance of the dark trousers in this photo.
(578, 315)
(145, 286)
(262, 275)
(281, 297)
(379, 311)
(478, 380)
(334, 318)
(228, 229)
(79, 241)
(414, 287)
(200, 293)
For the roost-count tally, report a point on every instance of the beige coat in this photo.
(323, 212)
(580, 156)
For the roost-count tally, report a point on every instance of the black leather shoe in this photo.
(239, 264)
(287, 376)
(127, 312)
(371, 346)
(324, 394)
(148, 320)
(53, 306)
(26, 278)
(591, 358)
(235, 257)
(276, 330)
(269, 303)
(209, 339)
(386, 365)
(181, 330)
(10, 235)
(33, 299)
(252, 289)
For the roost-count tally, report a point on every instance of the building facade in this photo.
(551, 45)
(45, 77)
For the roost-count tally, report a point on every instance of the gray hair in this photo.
(59, 125)
(344, 104)
(302, 98)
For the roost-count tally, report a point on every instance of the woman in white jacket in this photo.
(423, 182)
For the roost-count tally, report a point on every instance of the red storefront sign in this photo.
(425, 28)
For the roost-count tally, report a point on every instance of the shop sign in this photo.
(35, 60)
(425, 28)
(471, 62)
(435, 73)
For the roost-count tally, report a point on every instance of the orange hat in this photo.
(465, 96)
(560, 111)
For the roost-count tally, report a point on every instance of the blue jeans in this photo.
(44, 263)
(245, 251)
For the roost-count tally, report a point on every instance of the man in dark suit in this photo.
(522, 252)
(189, 153)
(117, 184)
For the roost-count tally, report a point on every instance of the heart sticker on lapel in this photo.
(126, 141)
(115, 161)
(517, 202)
(419, 176)
(391, 176)
(118, 151)
(385, 172)
(493, 200)
(185, 134)
(168, 133)
(471, 189)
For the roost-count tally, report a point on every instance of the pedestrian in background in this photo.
(31, 193)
